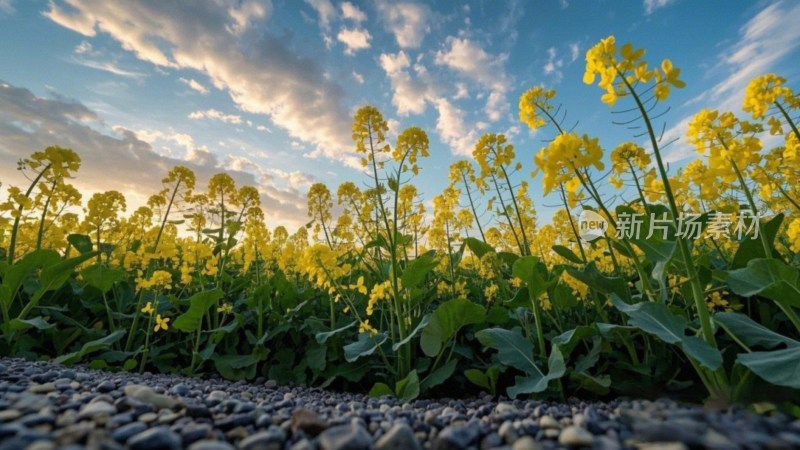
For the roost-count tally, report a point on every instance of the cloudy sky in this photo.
(266, 89)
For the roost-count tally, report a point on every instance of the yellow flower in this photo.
(365, 327)
(359, 286)
(764, 91)
(225, 308)
(794, 235)
(533, 102)
(161, 323)
(148, 309)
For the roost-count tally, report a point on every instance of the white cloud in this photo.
(245, 14)
(6, 6)
(325, 10)
(351, 11)
(408, 94)
(651, 6)
(496, 106)
(453, 130)
(358, 77)
(461, 91)
(470, 59)
(194, 85)
(354, 39)
(574, 51)
(764, 41)
(264, 77)
(407, 21)
(554, 64)
(213, 114)
(123, 161)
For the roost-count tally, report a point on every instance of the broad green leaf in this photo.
(235, 367)
(407, 389)
(781, 367)
(323, 337)
(567, 340)
(750, 248)
(654, 318)
(422, 324)
(364, 346)
(54, 276)
(568, 254)
(416, 271)
(537, 382)
(770, 278)
(513, 349)
(316, 357)
(478, 247)
(445, 322)
(477, 377)
(199, 304)
(102, 277)
(750, 332)
(595, 279)
(533, 272)
(25, 324)
(439, 375)
(81, 242)
(702, 352)
(16, 274)
(91, 347)
(379, 390)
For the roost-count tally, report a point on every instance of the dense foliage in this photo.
(379, 292)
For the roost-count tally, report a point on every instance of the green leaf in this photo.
(24, 324)
(780, 367)
(364, 346)
(199, 304)
(323, 337)
(416, 271)
(439, 375)
(702, 352)
(422, 324)
(102, 277)
(445, 322)
(533, 272)
(54, 276)
(750, 332)
(316, 358)
(91, 347)
(81, 242)
(477, 377)
(235, 367)
(595, 279)
(15, 275)
(407, 389)
(567, 254)
(513, 349)
(567, 340)
(379, 390)
(750, 248)
(654, 318)
(770, 278)
(478, 247)
(537, 382)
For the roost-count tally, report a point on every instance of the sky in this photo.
(266, 90)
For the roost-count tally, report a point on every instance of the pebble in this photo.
(345, 437)
(158, 438)
(43, 406)
(399, 437)
(575, 436)
(95, 409)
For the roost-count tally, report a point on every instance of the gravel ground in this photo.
(45, 406)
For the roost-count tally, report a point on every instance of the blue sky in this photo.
(266, 89)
